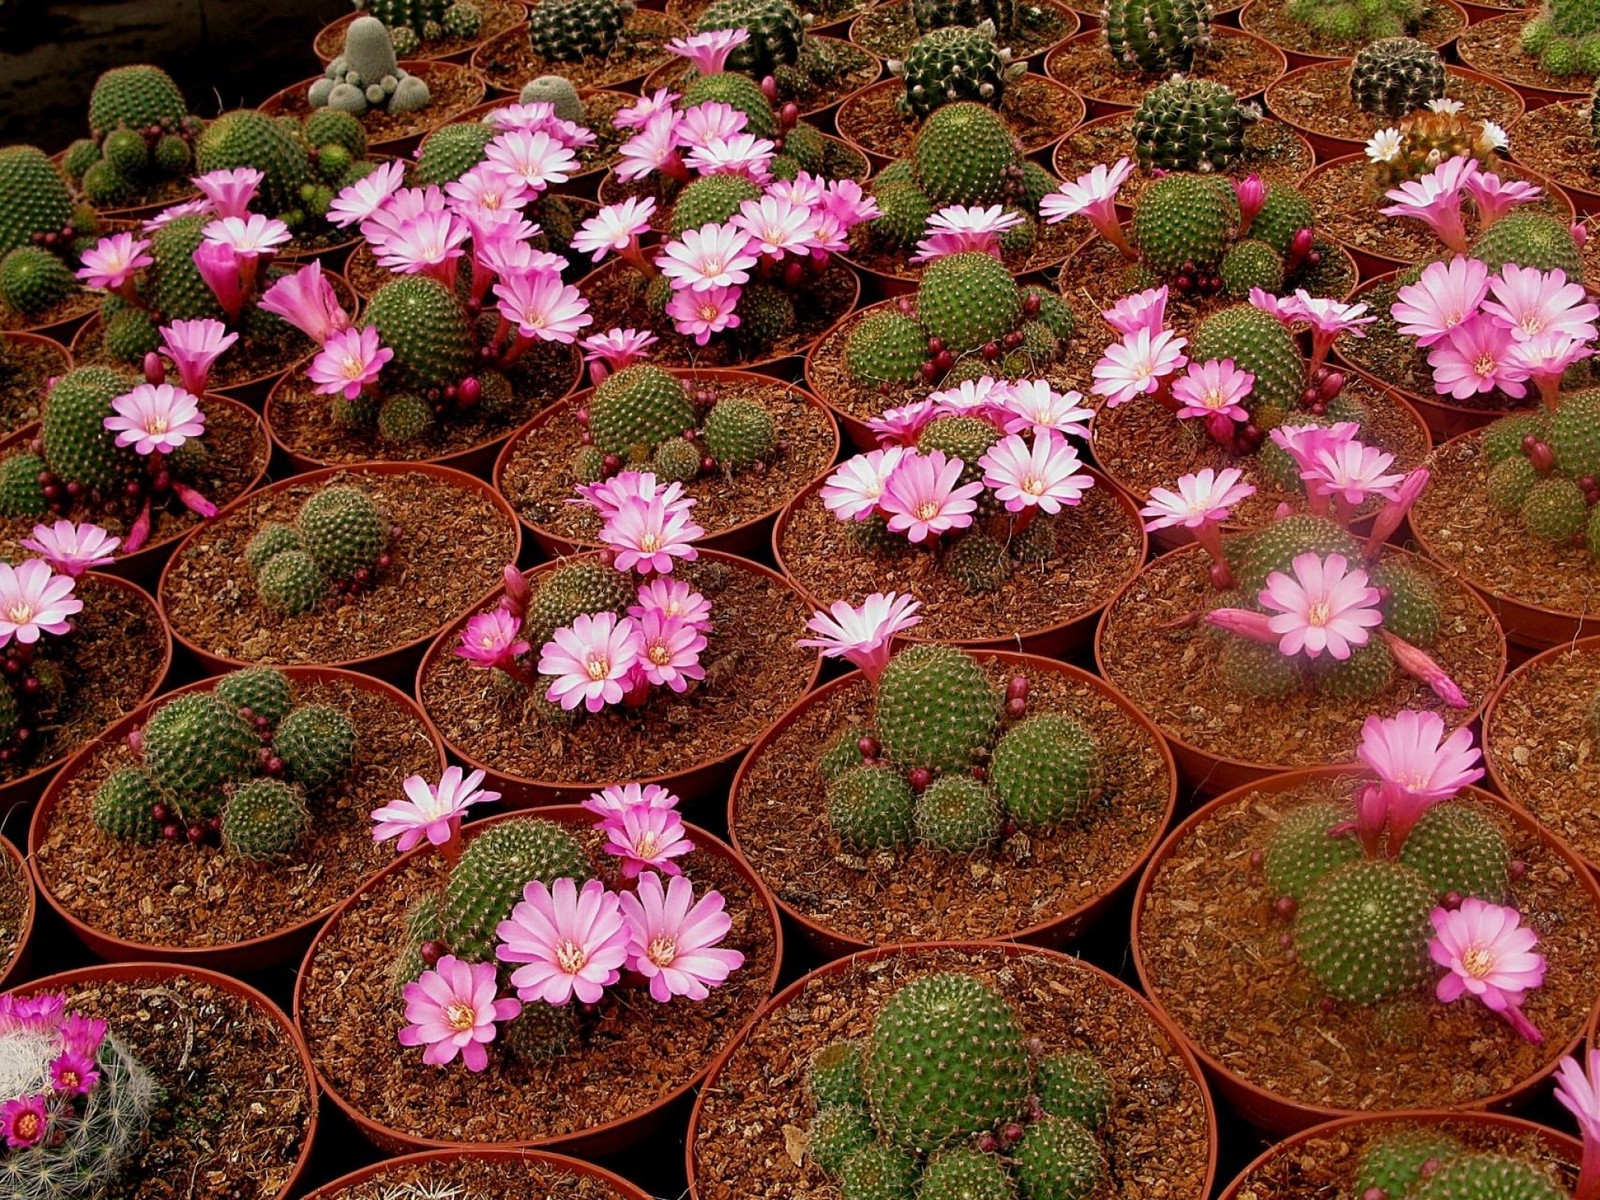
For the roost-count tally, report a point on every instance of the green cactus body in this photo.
(1412, 610)
(177, 289)
(342, 531)
(946, 1059)
(333, 127)
(195, 744)
(1301, 851)
(1188, 125)
(1490, 1177)
(1555, 510)
(936, 14)
(963, 1174)
(641, 405)
(427, 329)
(77, 445)
(766, 315)
(541, 1033)
(871, 808)
(173, 155)
(33, 197)
(1394, 1164)
(318, 746)
(978, 563)
(1459, 849)
(968, 300)
(127, 153)
(1059, 1159)
(936, 708)
(1529, 240)
(1503, 438)
(739, 433)
(776, 31)
(33, 280)
(843, 753)
(462, 21)
(272, 539)
(834, 1076)
(487, 883)
(10, 715)
(886, 347)
(246, 138)
(1181, 219)
(957, 815)
(123, 805)
(290, 583)
(1358, 21)
(582, 587)
(1363, 930)
(676, 461)
(1258, 343)
(576, 30)
(710, 199)
(558, 92)
(80, 156)
(264, 691)
(1076, 1086)
(1394, 77)
(1284, 213)
(953, 63)
(412, 13)
(878, 1172)
(1251, 264)
(963, 155)
(904, 209)
(129, 334)
(1158, 36)
(1258, 671)
(1574, 433)
(451, 151)
(736, 91)
(1365, 674)
(20, 492)
(265, 818)
(1045, 770)
(837, 1132)
(405, 418)
(1275, 547)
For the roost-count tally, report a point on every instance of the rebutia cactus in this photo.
(339, 537)
(1181, 220)
(246, 138)
(1045, 770)
(575, 30)
(638, 406)
(486, 884)
(77, 446)
(1459, 849)
(264, 819)
(140, 132)
(935, 709)
(957, 815)
(36, 216)
(450, 151)
(872, 808)
(1301, 850)
(1395, 1164)
(1529, 240)
(556, 91)
(964, 154)
(32, 280)
(257, 693)
(1190, 125)
(427, 329)
(1076, 1086)
(1395, 76)
(967, 300)
(1258, 343)
(1158, 36)
(1550, 496)
(581, 587)
(955, 63)
(196, 744)
(317, 744)
(1487, 1177)
(1358, 21)
(739, 433)
(1363, 929)
(886, 347)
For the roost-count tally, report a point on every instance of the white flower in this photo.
(1384, 146)
(1444, 105)
(1493, 137)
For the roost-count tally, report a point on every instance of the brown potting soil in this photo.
(452, 89)
(538, 479)
(300, 415)
(1241, 64)
(1319, 100)
(752, 1140)
(450, 550)
(1212, 955)
(1494, 47)
(634, 1051)
(25, 372)
(1098, 547)
(1036, 113)
(16, 889)
(1174, 676)
(1495, 551)
(889, 30)
(1558, 141)
(478, 1179)
(1546, 752)
(79, 302)
(508, 61)
(164, 192)
(175, 894)
(111, 659)
(237, 1105)
(1270, 19)
(497, 17)
(753, 673)
(918, 895)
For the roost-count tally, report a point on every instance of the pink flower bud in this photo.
(1252, 194)
(1415, 662)
(1580, 233)
(769, 88)
(1245, 622)
(155, 371)
(469, 391)
(518, 594)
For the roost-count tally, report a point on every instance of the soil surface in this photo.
(508, 61)
(1319, 100)
(1036, 113)
(16, 889)
(25, 374)
(1270, 19)
(1557, 141)
(1494, 48)
(1242, 64)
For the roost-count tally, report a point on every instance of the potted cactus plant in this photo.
(115, 1071)
(28, 362)
(425, 29)
(1547, 51)
(513, 1174)
(1424, 925)
(39, 239)
(140, 151)
(1059, 1080)
(1313, 32)
(893, 31)
(251, 791)
(531, 922)
(1019, 792)
(593, 43)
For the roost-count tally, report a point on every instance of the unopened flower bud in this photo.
(155, 371)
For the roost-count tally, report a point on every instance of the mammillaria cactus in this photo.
(936, 14)
(556, 91)
(955, 63)
(366, 74)
(1182, 219)
(575, 30)
(338, 543)
(1190, 125)
(1393, 77)
(1158, 36)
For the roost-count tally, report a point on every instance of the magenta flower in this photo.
(922, 498)
(543, 307)
(616, 800)
(1137, 365)
(1323, 606)
(590, 659)
(644, 835)
(1394, 511)
(156, 417)
(224, 272)
(33, 1014)
(24, 1121)
(491, 640)
(487, 189)
(1579, 1092)
(573, 942)
(1093, 196)
(672, 939)
(901, 425)
(425, 244)
(1444, 296)
(699, 314)
(1045, 474)
(609, 495)
(230, 191)
(111, 262)
(1477, 356)
(349, 362)
(1489, 955)
(854, 491)
(432, 812)
(708, 51)
(1142, 310)
(72, 549)
(614, 227)
(862, 635)
(617, 348)
(1436, 200)
(452, 1010)
(81, 1034)
(193, 346)
(844, 200)
(1214, 389)
(1495, 197)
(535, 158)
(669, 650)
(811, 191)
(1417, 765)
(706, 122)
(959, 228)
(247, 237)
(741, 154)
(308, 302)
(366, 195)
(1251, 193)
(1350, 472)
(641, 113)
(1529, 302)
(74, 1072)
(1205, 497)
(713, 256)
(672, 598)
(648, 534)
(776, 227)
(654, 148)
(1032, 404)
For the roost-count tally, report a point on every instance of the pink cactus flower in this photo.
(844, 199)
(609, 495)
(1142, 310)
(543, 307)
(1391, 514)
(1476, 357)
(1529, 302)
(590, 660)
(1214, 389)
(987, 399)
(74, 1073)
(34, 600)
(1324, 605)
(1046, 474)
(156, 417)
(429, 811)
(739, 154)
(1251, 194)
(713, 256)
(1436, 200)
(648, 534)
(619, 798)
(537, 159)
(1417, 765)
(900, 426)
(615, 227)
(959, 228)
(700, 313)
(247, 237)
(640, 114)
(501, 253)
(1094, 197)
(922, 498)
(1206, 497)
(111, 262)
(34, 1014)
(1546, 357)
(308, 302)
(1303, 442)
(230, 191)
(452, 1009)
(670, 597)
(24, 1121)
(487, 188)
(1350, 472)
(349, 362)
(176, 212)
(862, 635)
(776, 227)
(366, 195)
(226, 273)
(669, 650)
(706, 122)
(574, 943)
(1032, 404)
(644, 835)
(1579, 1092)
(72, 549)
(1444, 296)
(616, 348)
(491, 640)
(1416, 663)
(855, 489)
(193, 346)
(1137, 365)
(804, 189)
(426, 244)
(1489, 956)
(1495, 197)
(654, 148)
(708, 51)
(672, 939)
(1284, 308)
(1329, 319)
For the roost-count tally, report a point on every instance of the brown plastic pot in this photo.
(61, 353)
(1209, 773)
(502, 15)
(856, 433)
(132, 972)
(643, 19)
(24, 790)
(394, 665)
(1559, 1146)
(1302, 58)
(291, 101)
(798, 989)
(1535, 95)
(253, 954)
(745, 539)
(1058, 930)
(1269, 1112)
(694, 782)
(12, 972)
(608, 1138)
(1100, 106)
(338, 1189)
(1053, 641)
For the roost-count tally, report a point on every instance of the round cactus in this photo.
(135, 98)
(247, 138)
(33, 197)
(1574, 433)
(450, 151)
(106, 187)
(954, 63)
(581, 587)
(1258, 343)
(676, 461)
(123, 806)
(1555, 510)
(177, 288)
(1301, 851)
(710, 199)
(541, 1033)
(1275, 546)
(576, 30)
(1189, 125)
(289, 583)
(272, 539)
(487, 882)
(1490, 1177)
(1365, 674)
(1529, 239)
(405, 418)
(837, 1132)
(739, 433)
(264, 818)
(964, 154)
(1363, 929)
(1510, 483)
(129, 334)
(342, 530)
(886, 347)
(77, 445)
(766, 315)
(963, 1174)
(427, 329)
(318, 746)
(1251, 264)
(871, 808)
(33, 280)
(1258, 671)
(558, 92)
(978, 563)
(1411, 611)
(127, 153)
(776, 31)
(1503, 439)
(1393, 77)
(936, 708)
(20, 492)
(1181, 219)
(1158, 36)
(638, 406)
(1045, 769)
(332, 127)
(264, 691)
(967, 300)
(1459, 849)
(736, 91)
(1284, 213)
(878, 1172)
(936, 14)
(957, 815)
(1395, 1163)
(1075, 1086)
(1059, 1159)
(196, 743)
(834, 1076)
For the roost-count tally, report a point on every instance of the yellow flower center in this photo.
(352, 368)
(27, 1127)
(661, 951)
(1484, 364)
(647, 845)
(709, 312)
(460, 1016)
(570, 957)
(598, 666)
(157, 425)
(1478, 961)
(660, 654)
(1033, 485)
(927, 510)
(650, 543)
(20, 613)
(1319, 613)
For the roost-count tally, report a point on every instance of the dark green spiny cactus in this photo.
(1189, 125)
(640, 405)
(427, 329)
(176, 287)
(342, 531)
(936, 708)
(247, 138)
(1045, 770)
(871, 808)
(878, 1172)
(1510, 483)
(77, 445)
(33, 197)
(1503, 439)
(21, 494)
(450, 151)
(978, 563)
(1284, 213)
(581, 587)
(834, 1076)
(1490, 1177)
(541, 1033)
(1574, 433)
(1257, 342)
(1300, 850)
(318, 746)
(936, 14)
(1275, 546)
(963, 1174)
(1059, 1159)
(135, 98)
(123, 805)
(272, 539)
(575, 30)
(766, 315)
(264, 691)
(33, 280)
(1258, 671)
(957, 815)
(1250, 264)
(1076, 1086)
(1529, 239)
(710, 199)
(495, 867)
(1394, 77)
(1365, 674)
(333, 127)
(1411, 610)
(739, 433)
(1555, 509)
(1394, 1164)
(1158, 36)
(1363, 930)
(954, 63)
(677, 460)
(264, 818)
(968, 300)
(1459, 849)
(736, 91)
(195, 744)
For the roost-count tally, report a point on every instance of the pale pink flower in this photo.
(176, 212)
(348, 362)
(1284, 308)
(701, 313)
(590, 659)
(653, 148)
(543, 307)
(922, 498)
(1328, 318)
(34, 600)
(1046, 474)
(1477, 356)
(987, 399)
(430, 811)
(193, 346)
(619, 798)
(488, 188)
(1444, 296)
(646, 836)
(1204, 497)
(308, 302)
(366, 195)
(713, 256)
(1529, 302)
(248, 237)
(862, 635)
(1303, 442)
(902, 424)
(1495, 197)
(1034, 404)
(639, 114)
(804, 189)
(1322, 606)
(452, 1009)
(855, 489)
(959, 228)
(845, 200)
(708, 51)
(491, 640)
(670, 597)
(1093, 196)
(1351, 472)
(230, 191)
(505, 255)
(111, 261)
(1489, 955)
(1546, 357)
(672, 939)
(156, 417)
(648, 534)
(1579, 1093)
(72, 549)
(706, 122)
(614, 227)
(776, 227)
(1142, 310)
(530, 116)
(1436, 200)
(669, 650)
(1417, 764)
(1137, 364)
(739, 154)
(574, 943)
(535, 158)
(617, 348)
(608, 496)
(1214, 389)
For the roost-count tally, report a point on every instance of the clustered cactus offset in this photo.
(337, 546)
(414, 24)
(368, 75)
(140, 133)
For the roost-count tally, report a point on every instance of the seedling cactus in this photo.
(367, 74)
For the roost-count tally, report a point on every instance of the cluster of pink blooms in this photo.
(156, 418)
(68, 1047)
(1032, 469)
(1438, 197)
(572, 943)
(1486, 333)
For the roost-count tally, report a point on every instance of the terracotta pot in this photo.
(1586, 203)
(1055, 641)
(60, 353)
(329, 42)
(1534, 94)
(1058, 930)
(253, 954)
(394, 665)
(1057, 69)
(132, 972)
(691, 783)
(291, 101)
(673, 73)
(1008, 950)
(1209, 772)
(1302, 58)
(25, 789)
(585, 182)
(1276, 1115)
(644, 21)
(1558, 1146)
(476, 459)
(13, 972)
(608, 1138)
(745, 539)
(533, 1158)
